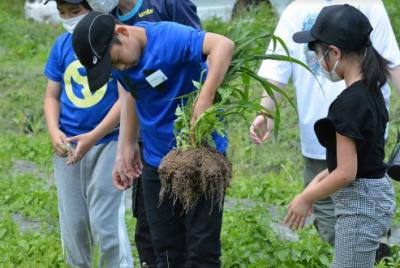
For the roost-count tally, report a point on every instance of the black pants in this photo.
(143, 242)
(189, 240)
(142, 232)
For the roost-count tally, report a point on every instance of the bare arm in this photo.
(320, 176)
(262, 125)
(344, 174)
(128, 164)
(109, 123)
(52, 116)
(267, 102)
(129, 123)
(219, 50)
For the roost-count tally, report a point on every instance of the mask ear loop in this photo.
(325, 57)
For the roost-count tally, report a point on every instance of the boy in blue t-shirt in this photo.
(83, 129)
(158, 62)
(130, 12)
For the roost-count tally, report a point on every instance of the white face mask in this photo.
(105, 6)
(332, 75)
(70, 24)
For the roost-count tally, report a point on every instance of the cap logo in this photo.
(90, 41)
(94, 59)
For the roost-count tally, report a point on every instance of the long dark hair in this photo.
(374, 67)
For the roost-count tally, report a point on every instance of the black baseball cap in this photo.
(67, 1)
(91, 42)
(341, 25)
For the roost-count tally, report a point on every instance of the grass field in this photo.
(265, 177)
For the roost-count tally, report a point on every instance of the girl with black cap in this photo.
(353, 134)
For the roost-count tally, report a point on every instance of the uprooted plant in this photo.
(194, 169)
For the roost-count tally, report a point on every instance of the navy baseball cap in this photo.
(91, 42)
(341, 25)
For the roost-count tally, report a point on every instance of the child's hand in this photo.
(128, 167)
(60, 143)
(83, 144)
(200, 106)
(260, 129)
(299, 210)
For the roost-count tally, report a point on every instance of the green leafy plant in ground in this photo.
(249, 242)
(28, 249)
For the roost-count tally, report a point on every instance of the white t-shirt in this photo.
(313, 99)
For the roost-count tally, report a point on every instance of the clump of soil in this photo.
(188, 175)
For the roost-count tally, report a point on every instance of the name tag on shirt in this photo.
(156, 78)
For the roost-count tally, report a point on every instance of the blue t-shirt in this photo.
(80, 109)
(180, 11)
(173, 52)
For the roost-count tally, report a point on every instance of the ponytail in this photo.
(375, 69)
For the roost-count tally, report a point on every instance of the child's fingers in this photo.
(265, 136)
(140, 165)
(302, 222)
(310, 212)
(288, 217)
(75, 155)
(128, 170)
(64, 139)
(293, 221)
(297, 223)
(72, 139)
(119, 181)
(137, 171)
(61, 150)
(253, 134)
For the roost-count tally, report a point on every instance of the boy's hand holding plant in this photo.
(83, 144)
(60, 143)
(201, 105)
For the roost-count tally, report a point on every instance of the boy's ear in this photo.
(121, 29)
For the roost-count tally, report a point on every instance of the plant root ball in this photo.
(188, 175)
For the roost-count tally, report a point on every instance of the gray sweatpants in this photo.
(92, 210)
(364, 211)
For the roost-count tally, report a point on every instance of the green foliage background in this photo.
(270, 174)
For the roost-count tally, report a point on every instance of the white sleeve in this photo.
(279, 71)
(382, 36)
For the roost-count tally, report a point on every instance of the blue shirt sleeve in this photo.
(182, 43)
(53, 70)
(184, 12)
